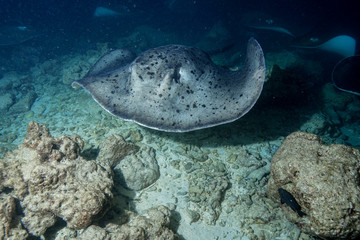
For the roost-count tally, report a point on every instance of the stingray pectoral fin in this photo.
(255, 61)
(106, 65)
(346, 75)
(108, 90)
(343, 45)
(273, 28)
(250, 78)
(255, 68)
(111, 61)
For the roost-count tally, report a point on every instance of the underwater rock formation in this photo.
(6, 100)
(114, 149)
(153, 225)
(51, 180)
(138, 171)
(24, 103)
(323, 180)
(10, 99)
(134, 167)
(7, 215)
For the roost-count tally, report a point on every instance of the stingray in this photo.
(175, 88)
(107, 12)
(273, 28)
(13, 35)
(342, 45)
(346, 75)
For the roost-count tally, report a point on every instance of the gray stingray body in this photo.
(175, 88)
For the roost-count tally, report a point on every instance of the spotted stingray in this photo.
(175, 88)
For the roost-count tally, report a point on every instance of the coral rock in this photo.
(7, 214)
(50, 179)
(324, 180)
(153, 225)
(138, 171)
(114, 149)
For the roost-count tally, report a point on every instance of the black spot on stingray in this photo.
(203, 105)
(112, 92)
(194, 105)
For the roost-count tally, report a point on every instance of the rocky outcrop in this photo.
(138, 171)
(323, 180)
(114, 149)
(152, 225)
(51, 180)
(134, 167)
(7, 218)
(6, 100)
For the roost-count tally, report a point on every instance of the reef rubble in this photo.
(45, 181)
(51, 180)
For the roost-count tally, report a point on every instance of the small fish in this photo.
(289, 199)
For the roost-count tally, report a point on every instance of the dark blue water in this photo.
(75, 18)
